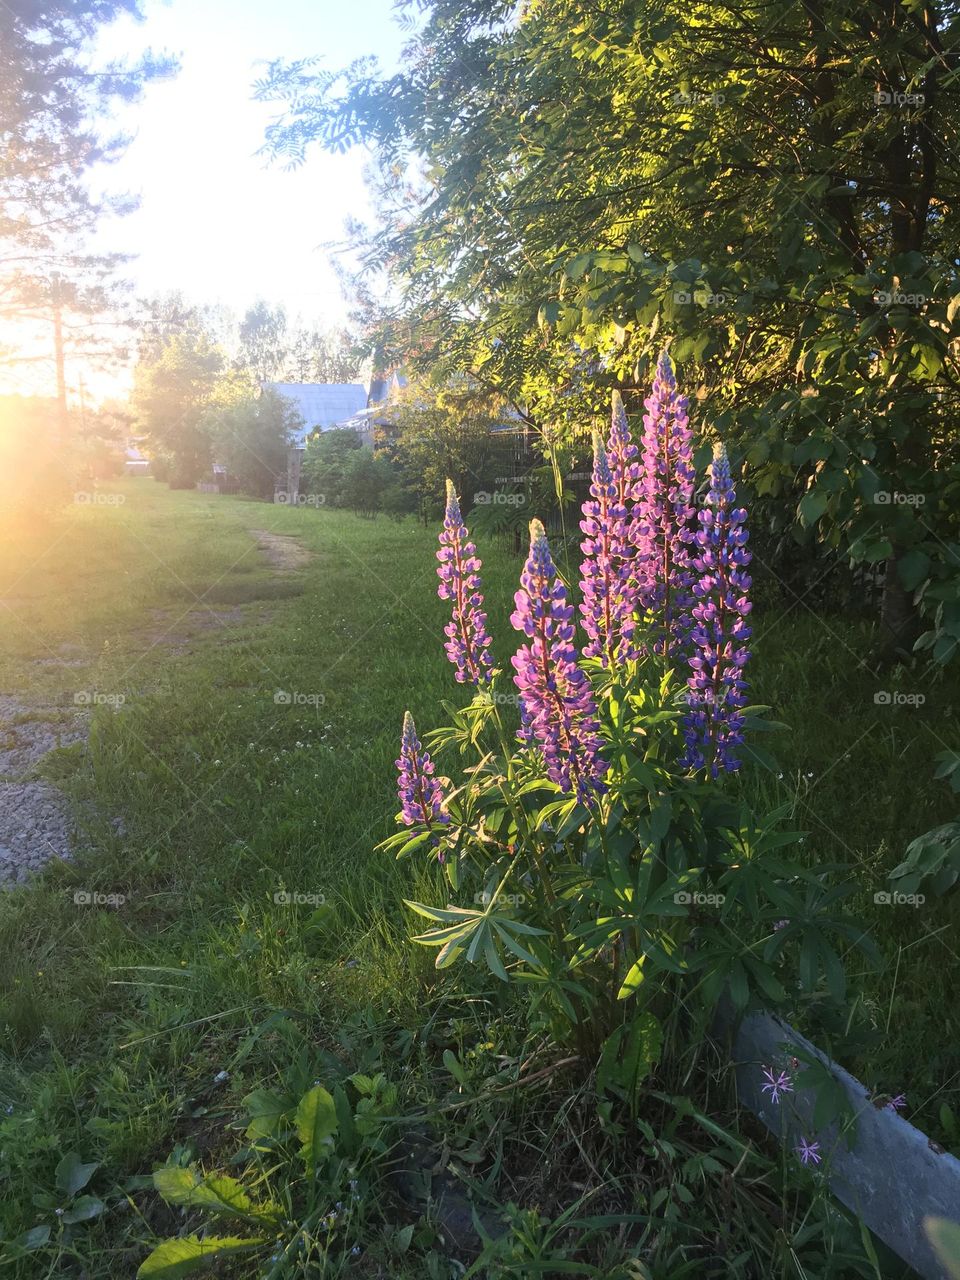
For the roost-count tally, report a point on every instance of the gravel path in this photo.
(35, 826)
(35, 822)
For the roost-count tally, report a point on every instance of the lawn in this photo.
(231, 805)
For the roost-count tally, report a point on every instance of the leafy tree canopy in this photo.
(770, 187)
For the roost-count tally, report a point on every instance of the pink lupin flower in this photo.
(468, 644)
(421, 796)
(559, 714)
(609, 595)
(665, 510)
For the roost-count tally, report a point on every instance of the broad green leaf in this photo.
(266, 1110)
(216, 1192)
(33, 1239)
(72, 1175)
(811, 508)
(316, 1124)
(83, 1209)
(176, 1258)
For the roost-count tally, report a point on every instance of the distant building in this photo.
(135, 461)
(322, 405)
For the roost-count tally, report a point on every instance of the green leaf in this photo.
(33, 1239)
(452, 1063)
(83, 1209)
(633, 980)
(811, 507)
(267, 1111)
(316, 1124)
(945, 1238)
(913, 568)
(216, 1192)
(72, 1176)
(176, 1258)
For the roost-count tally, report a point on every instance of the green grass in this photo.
(202, 797)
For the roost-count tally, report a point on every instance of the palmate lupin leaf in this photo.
(477, 933)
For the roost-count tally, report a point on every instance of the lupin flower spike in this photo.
(559, 713)
(609, 591)
(665, 510)
(468, 644)
(713, 728)
(421, 796)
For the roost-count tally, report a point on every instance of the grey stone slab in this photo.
(893, 1176)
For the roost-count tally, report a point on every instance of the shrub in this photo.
(600, 853)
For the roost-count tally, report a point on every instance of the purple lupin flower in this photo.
(623, 456)
(468, 644)
(559, 713)
(777, 1082)
(625, 467)
(665, 509)
(809, 1152)
(421, 796)
(609, 595)
(713, 728)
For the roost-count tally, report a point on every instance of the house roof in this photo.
(322, 405)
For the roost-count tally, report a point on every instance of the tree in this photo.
(251, 437)
(326, 461)
(263, 341)
(444, 432)
(318, 356)
(773, 190)
(50, 93)
(172, 392)
(365, 480)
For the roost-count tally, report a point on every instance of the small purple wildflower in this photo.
(468, 644)
(777, 1083)
(559, 713)
(665, 514)
(898, 1102)
(809, 1152)
(780, 924)
(609, 597)
(713, 728)
(421, 796)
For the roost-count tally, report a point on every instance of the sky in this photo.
(216, 220)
